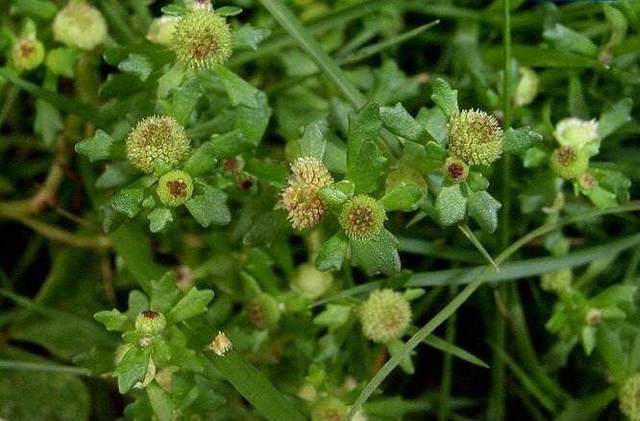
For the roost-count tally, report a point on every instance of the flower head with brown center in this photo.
(475, 137)
(362, 217)
(175, 188)
(568, 162)
(202, 39)
(300, 198)
(385, 315)
(157, 139)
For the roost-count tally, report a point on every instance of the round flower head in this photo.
(80, 25)
(300, 198)
(263, 311)
(150, 322)
(311, 282)
(27, 53)
(202, 40)
(456, 170)
(568, 162)
(630, 397)
(161, 30)
(329, 409)
(175, 188)
(157, 139)
(527, 88)
(475, 137)
(587, 181)
(200, 4)
(576, 132)
(362, 217)
(385, 315)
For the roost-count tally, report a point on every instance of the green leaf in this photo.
(133, 368)
(566, 39)
(230, 144)
(184, 100)
(364, 159)
(519, 140)
(483, 208)
(333, 196)
(334, 316)
(128, 201)
(404, 196)
(137, 64)
(406, 364)
(454, 350)
(248, 37)
(164, 293)
(364, 126)
(434, 121)
(202, 160)
(615, 117)
(313, 142)
(378, 254)
(228, 11)
(209, 207)
(445, 97)
(61, 61)
(112, 320)
(601, 197)
(239, 91)
(159, 218)
(451, 205)
(192, 304)
(39, 9)
(160, 402)
(401, 123)
(48, 121)
(332, 253)
(96, 148)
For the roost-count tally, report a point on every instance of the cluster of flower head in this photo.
(157, 139)
(80, 25)
(201, 39)
(300, 198)
(475, 137)
(385, 315)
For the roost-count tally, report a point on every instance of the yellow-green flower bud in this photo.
(150, 322)
(568, 162)
(160, 139)
(630, 397)
(300, 198)
(80, 25)
(527, 88)
(362, 217)
(329, 409)
(263, 311)
(456, 170)
(475, 137)
(575, 132)
(385, 315)
(202, 40)
(587, 181)
(27, 53)
(593, 317)
(311, 282)
(161, 30)
(175, 188)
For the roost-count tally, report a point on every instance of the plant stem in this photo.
(447, 369)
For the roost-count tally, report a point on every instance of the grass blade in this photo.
(456, 351)
(478, 245)
(28, 366)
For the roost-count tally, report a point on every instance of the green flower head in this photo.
(175, 188)
(80, 25)
(150, 322)
(263, 311)
(202, 40)
(385, 315)
(456, 170)
(568, 162)
(27, 53)
(475, 137)
(157, 139)
(630, 397)
(362, 217)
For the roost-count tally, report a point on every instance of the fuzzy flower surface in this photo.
(150, 322)
(300, 198)
(475, 137)
(385, 316)
(80, 25)
(27, 53)
(575, 132)
(362, 217)
(202, 40)
(175, 188)
(630, 397)
(157, 139)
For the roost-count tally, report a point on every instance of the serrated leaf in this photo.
(401, 123)
(404, 196)
(112, 320)
(434, 120)
(365, 169)
(364, 126)
(96, 148)
(133, 368)
(230, 144)
(239, 91)
(128, 201)
(209, 207)
(248, 37)
(519, 140)
(378, 254)
(192, 304)
(450, 205)
(483, 208)
(159, 218)
(202, 160)
(445, 97)
(332, 253)
(137, 64)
